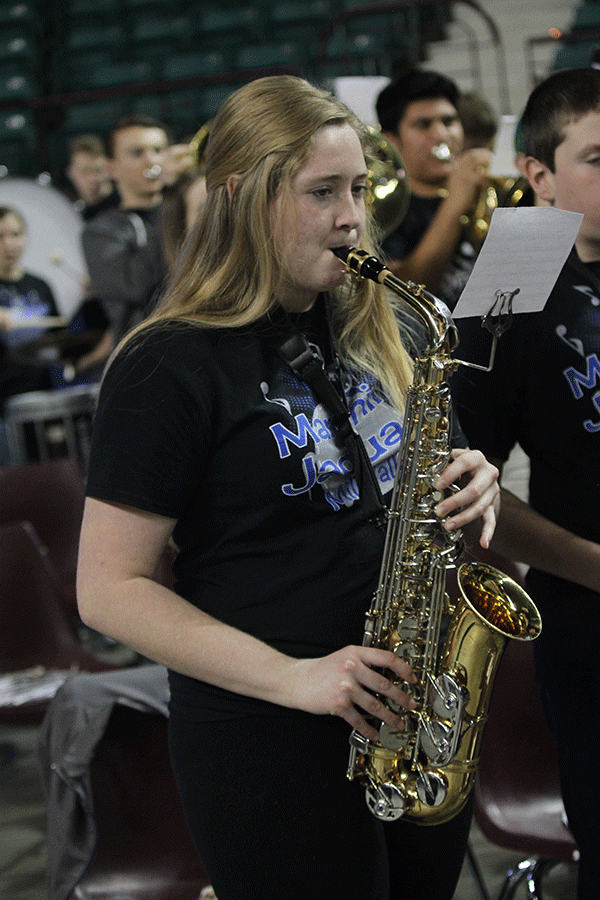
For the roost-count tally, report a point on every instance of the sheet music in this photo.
(525, 249)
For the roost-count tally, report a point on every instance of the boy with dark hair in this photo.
(408, 87)
(418, 115)
(122, 246)
(544, 393)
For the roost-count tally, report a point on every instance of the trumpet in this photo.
(442, 152)
(497, 190)
(153, 172)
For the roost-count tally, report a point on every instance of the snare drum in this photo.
(43, 425)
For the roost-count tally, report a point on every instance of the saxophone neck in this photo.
(442, 334)
(441, 331)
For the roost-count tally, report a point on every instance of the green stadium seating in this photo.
(18, 85)
(20, 13)
(186, 65)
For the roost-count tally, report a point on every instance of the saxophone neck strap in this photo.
(308, 366)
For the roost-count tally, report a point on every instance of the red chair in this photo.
(34, 630)
(143, 848)
(518, 804)
(50, 495)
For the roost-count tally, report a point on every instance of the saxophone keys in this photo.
(431, 789)
(407, 652)
(435, 740)
(407, 628)
(448, 700)
(392, 738)
(359, 742)
(385, 801)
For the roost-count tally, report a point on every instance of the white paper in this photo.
(360, 93)
(503, 159)
(525, 249)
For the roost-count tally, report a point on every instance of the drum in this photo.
(53, 250)
(43, 425)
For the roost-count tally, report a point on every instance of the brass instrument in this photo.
(425, 771)
(388, 181)
(497, 191)
(197, 145)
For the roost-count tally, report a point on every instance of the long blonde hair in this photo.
(229, 272)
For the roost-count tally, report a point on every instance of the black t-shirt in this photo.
(543, 393)
(30, 296)
(413, 226)
(213, 429)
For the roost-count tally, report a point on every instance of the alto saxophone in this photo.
(425, 770)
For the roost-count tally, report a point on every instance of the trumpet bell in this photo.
(498, 190)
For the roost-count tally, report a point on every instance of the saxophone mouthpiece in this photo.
(341, 252)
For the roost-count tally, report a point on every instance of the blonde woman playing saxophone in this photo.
(204, 434)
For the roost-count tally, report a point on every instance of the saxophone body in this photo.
(425, 771)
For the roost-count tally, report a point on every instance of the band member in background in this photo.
(418, 115)
(205, 435)
(543, 393)
(478, 119)
(87, 171)
(122, 246)
(25, 302)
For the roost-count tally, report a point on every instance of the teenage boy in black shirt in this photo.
(544, 393)
(418, 115)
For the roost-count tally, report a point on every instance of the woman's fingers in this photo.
(477, 494)
(354, 683)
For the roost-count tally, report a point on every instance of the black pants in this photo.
(274, 817)
(566, 655)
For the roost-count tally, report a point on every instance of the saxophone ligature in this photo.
(426, 770)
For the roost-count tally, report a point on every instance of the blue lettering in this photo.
(345, 495)
(343, 466)
(360, 405)
(310, 471)
(332, 501)
(285, 437)
(322, 429)
(576, 379)
(391, 434)
(364, 405)
(377, 447)
(588, 424)
(387, 470)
